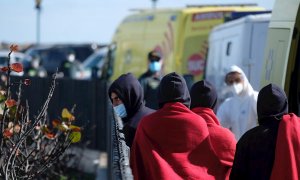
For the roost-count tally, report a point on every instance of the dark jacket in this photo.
(150, 85)
(129, 90)
(255, 152)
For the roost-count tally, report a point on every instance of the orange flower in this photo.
(50, 135)
(55, 123)
(17, 67)
(10, 103)
(7, 133)
(4, 69)
(14, 47)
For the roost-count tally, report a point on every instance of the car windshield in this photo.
(93, 60)
(3, 60)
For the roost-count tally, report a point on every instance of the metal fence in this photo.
(119, 168)
(93, 112)
(89, 97)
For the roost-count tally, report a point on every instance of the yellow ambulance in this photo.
(179, 35)
(282, 53)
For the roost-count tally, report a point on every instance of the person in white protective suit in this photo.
(238, 113)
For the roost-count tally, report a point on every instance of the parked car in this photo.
(92, 66)
(53, 56)
(16, 57)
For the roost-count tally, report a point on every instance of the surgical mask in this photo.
(237, 88)
(120, 110)
(154, 66)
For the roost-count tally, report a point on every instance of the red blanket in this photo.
(172, 143)
(222, 142)
(287, 154)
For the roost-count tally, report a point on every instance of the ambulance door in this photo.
(293, 71)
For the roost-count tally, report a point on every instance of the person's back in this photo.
(203, 101)
(127, 97)
(172, 143)
(270, 150)
(151, 79)
(238, 113)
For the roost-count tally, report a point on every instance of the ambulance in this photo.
(282, 54)
(179, 35)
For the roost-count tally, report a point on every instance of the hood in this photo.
(271, 102)
(247, 88)
(130, 91)
(203, 94)
(173, 88)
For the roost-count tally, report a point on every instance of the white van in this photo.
(240, 42)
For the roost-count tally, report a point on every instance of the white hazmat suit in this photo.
(239, 113)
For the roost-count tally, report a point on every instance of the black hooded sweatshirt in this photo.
(255, 152)
(129, 90)
(203, 94)
(173, 88)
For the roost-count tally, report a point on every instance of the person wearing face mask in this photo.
(151, 79)
(127, 97)
(238, 113)
(36, 68)
(70, 65)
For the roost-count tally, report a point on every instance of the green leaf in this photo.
(2, 98)
(75, 137)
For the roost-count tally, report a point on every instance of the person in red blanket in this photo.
(270, 150)
(203, 101)
(172, 143)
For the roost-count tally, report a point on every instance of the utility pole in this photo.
(154, 4)
(38, 20)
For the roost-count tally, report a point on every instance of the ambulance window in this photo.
(228, 49)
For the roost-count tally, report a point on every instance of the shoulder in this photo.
(144, 76)
(222, 136)
(140, 115)
(249, 136)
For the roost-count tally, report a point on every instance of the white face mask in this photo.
(236, 88)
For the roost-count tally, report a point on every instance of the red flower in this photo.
(4, 69)
(17, 67)
(10, 103)
(7, 133)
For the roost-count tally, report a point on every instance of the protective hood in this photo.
(247, 88)
(173, 88)
(271, 102)
(129, 90)
(203, 94)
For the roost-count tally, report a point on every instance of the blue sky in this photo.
(79, 21)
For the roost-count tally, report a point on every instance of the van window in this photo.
(228, 48)
(108, 67)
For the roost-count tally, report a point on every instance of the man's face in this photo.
(115, 99)
(233, 78)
